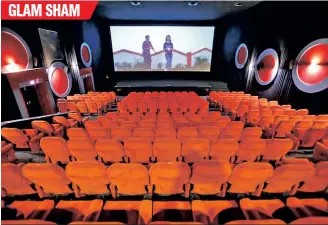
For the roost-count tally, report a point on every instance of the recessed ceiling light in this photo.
(135, 3)
(238, 4)
(192, 3)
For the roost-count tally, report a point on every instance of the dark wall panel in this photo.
(284, 26)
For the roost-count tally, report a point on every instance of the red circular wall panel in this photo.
(60, 81)
(267, 66)
(86, 55)
(310, 72)
(15, 54)
(241, 56)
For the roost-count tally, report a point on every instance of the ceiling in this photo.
(169, 10)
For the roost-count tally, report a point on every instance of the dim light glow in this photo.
(314, 67)
(32, 82)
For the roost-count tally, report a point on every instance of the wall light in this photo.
(314, 67)
(12, 66)
(192, 3)
(238, 4)
(135, 3)
(32, 82)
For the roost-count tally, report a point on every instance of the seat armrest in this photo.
(7, 148)
(145, 212)
(320, 152)
(59, 132)
(34, 143)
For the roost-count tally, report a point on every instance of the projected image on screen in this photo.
(162, 48)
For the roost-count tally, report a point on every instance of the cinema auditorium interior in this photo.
(167, 113)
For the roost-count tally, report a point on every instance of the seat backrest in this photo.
(276, 149)
(89, 176)
(138, 150)
(166, 149)
(96, 134)
(129, 179)
(309, 117)
(169, 177)
(283, 127)
(129, 124)
(165, 133)
(250, 149)
(279, 118)
(61, 120)
(224, 149)
(50, 177)
(187, 133)
(302, 112)
(312, 135)
(110, 150)
(235, 124)
(252, 115)
(147, 133)
(56, 149)
(90, 124)
(322, 117)
(230, 133)
(82, 107)
(288, 175)
(209, 176)
(278, 112)
(62, 106)
(194, 150)
(13, 181)
(290, 112)
(208, 131)
(15, 136)
(77, 133)
(251, 222)
(43, 126)
(82, 149)
(250, 133)
(120, 133)
(295, 119)
(75, 116)
(245, 177)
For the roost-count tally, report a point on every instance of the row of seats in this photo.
(215, 177)
(91, 103)
(163, 102)
(294, 211)
(142, 150)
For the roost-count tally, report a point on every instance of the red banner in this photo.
(47, 10)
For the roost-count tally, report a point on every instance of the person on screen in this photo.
(146, 47)
(168, 48)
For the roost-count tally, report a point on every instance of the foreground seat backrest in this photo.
(138, 150)
(13, 182)
(194, 150)
(82, 149)
(318, 182)
(110, 150)
(167, 149)
(169, 178)
(27, 138)
(81, 173)
(224, 149)
(210, 177)
(128, 179)
(55, 149)
(49, 178)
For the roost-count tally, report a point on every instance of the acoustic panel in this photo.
(241, 56)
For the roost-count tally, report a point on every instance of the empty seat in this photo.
(49, 179)
(320, 151)
(251, 116)
(302, 112)
(235, 125)
(138, 150)
(7, 152)
(322, 117)
(147, 123)
(276, 149)
(106, 122)
(279, 131)
(224, 149)
(290, 112)
(81, 173)
(194, 150)
(47, 128)
(319, 182)
(147, 133)
(286, 178)
(30, 209)
(129, 124)
(166, 149)
(13, 182)
(245, 177)
(91, 124)
(76, 211)
(265, 221)
(216, 211)
(77, 133)
(82, 149)
(209, 132)
(77, 117)
(96, 134)
(55, 149)
(250, 150)
(121, 134)
(128, 179)
(165, 133)
(185, 133)
(210, 177)
(307, 207)
(250, 133)
(169, 178)
(66, 123)
(309, 117)
(230, 133)
(83, 108)
(110, 150)
(26, 138)
(265, 122)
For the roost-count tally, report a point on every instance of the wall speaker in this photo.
(241, 56)
(267, 65)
